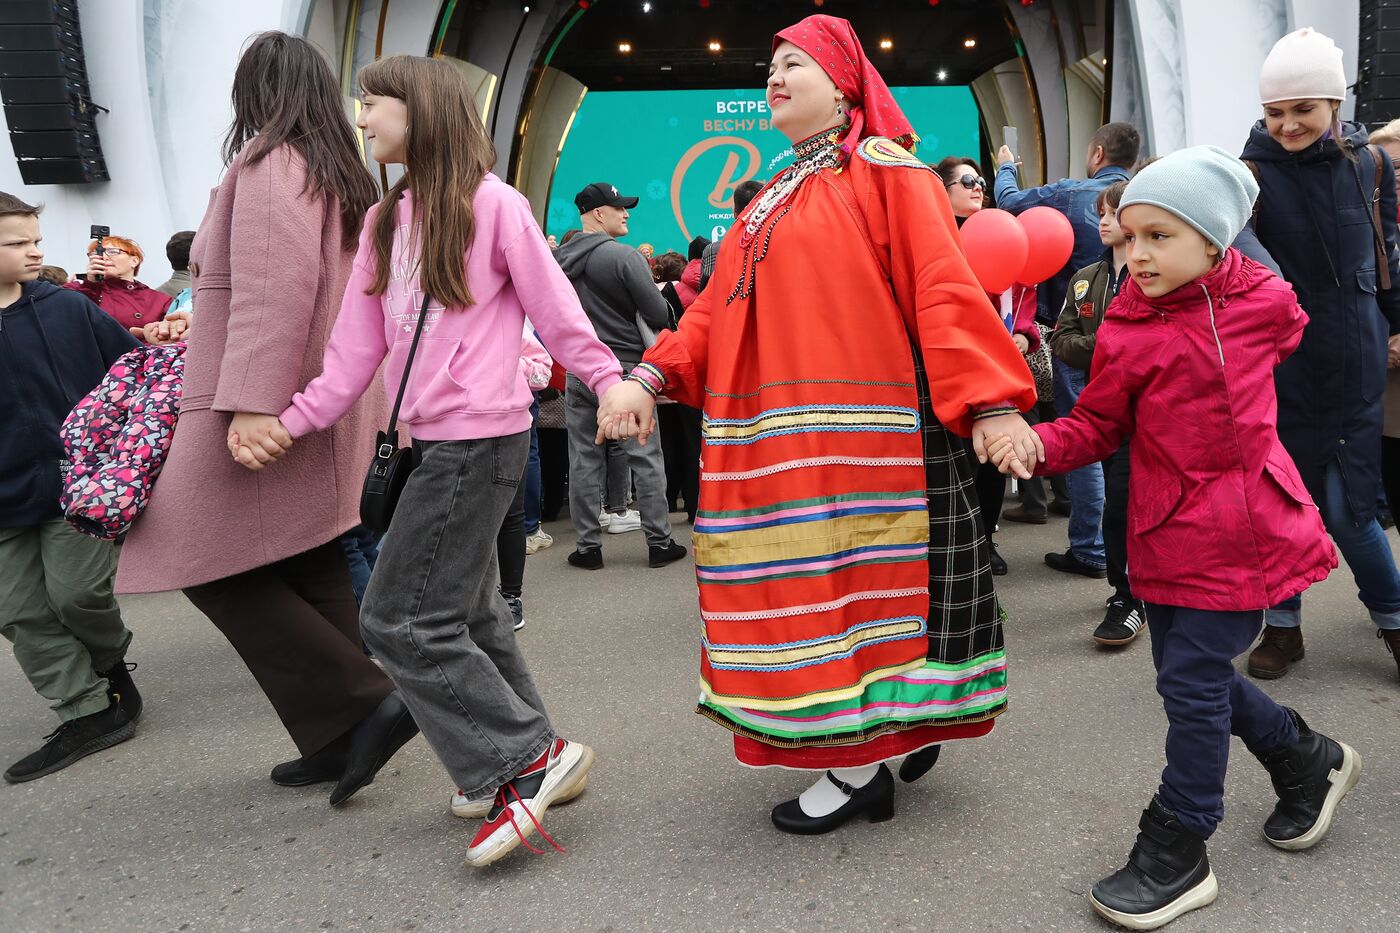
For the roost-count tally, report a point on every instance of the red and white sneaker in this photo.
(557, 775)
(464, 807)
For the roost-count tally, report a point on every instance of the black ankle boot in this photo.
(1310, 777)
(875, 800)
(1167, 875)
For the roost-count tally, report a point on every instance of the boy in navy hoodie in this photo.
(56, 601)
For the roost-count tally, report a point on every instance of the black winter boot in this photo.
(1310, 777)
(1167, 875)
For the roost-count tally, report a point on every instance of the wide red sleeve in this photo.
(970, 360)
(1102, 417)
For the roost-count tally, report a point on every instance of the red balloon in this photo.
(996, 248)
(1050, 239)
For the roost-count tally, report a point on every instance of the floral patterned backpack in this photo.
(117, 438)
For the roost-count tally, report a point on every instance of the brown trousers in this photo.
(296, 626)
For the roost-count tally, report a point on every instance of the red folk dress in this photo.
(848, 613)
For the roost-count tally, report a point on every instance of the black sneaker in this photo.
(1167, 875)
(1068, 563)
(76, 738)
(1122, 623)
(999, 567)
(517, 612)
(587, 559)
(122, 689)
(668, 553)
(1310, 777)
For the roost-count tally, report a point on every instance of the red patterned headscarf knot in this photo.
(832, 44)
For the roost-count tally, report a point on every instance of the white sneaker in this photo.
(631, 520)
(538, 541)
(467, 809)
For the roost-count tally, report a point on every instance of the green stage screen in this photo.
(682, 153)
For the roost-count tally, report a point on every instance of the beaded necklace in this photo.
(811, 156)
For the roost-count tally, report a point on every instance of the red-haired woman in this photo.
(118, 261)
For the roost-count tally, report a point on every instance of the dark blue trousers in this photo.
(1207, 701)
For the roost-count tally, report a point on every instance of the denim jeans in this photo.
(587, 464)
(1367, 553)
(1207, 701)
(1085, 483)
(533, 483)
(361, 551)
(434, 618)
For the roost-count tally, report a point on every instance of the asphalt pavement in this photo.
(180, 828)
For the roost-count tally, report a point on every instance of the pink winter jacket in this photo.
(466, 380)
(1218, 517)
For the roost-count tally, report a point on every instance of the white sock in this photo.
(824, 797)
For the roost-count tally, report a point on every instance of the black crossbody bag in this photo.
(389, 470)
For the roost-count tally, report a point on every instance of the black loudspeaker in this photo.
(1378, 63)
(44, 89)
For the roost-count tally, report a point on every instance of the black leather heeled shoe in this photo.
(875, 800)
(313, 769)
(919, 764)
(373, 742)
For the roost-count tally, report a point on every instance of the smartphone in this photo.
(1010, 140)
(99, 233)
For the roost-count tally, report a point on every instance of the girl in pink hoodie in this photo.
(1220, 525)
(455, 241)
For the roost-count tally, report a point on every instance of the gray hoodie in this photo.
(614, 285)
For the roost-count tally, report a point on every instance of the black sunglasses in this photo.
(970, 181)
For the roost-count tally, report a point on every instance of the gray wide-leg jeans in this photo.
(433, 616)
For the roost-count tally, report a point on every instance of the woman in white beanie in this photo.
(1327, 214)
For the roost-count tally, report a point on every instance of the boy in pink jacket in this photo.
(1220, 525)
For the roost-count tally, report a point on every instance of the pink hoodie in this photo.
(467, 380)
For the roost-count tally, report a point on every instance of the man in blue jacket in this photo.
(56, 601)
(1112, 152)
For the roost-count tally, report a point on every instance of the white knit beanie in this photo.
(1302, 65)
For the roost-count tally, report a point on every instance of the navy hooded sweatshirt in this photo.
(55, 347)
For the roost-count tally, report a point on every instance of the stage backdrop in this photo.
(682, 153)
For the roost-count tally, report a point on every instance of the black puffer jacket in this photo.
(1314, 218)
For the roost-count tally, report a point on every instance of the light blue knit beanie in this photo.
(1205, 186)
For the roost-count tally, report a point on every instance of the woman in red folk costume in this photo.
(845, 590)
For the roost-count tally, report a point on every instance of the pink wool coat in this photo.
(1218, 517)
(269, 269)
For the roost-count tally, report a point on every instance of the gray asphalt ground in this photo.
(180, 829)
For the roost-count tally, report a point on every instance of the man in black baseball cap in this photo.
(616, 289)
(601, 194)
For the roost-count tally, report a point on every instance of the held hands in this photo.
(626, 410)
(1008, 443)
(1022, 342)
(257, 440)
(171, 329)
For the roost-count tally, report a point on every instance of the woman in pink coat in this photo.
(1220, 526)
(258, 552)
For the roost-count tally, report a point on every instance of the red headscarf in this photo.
(832, 43)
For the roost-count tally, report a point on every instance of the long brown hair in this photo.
(285, 95)
(447, 155)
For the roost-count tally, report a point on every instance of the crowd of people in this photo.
(827, 393)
